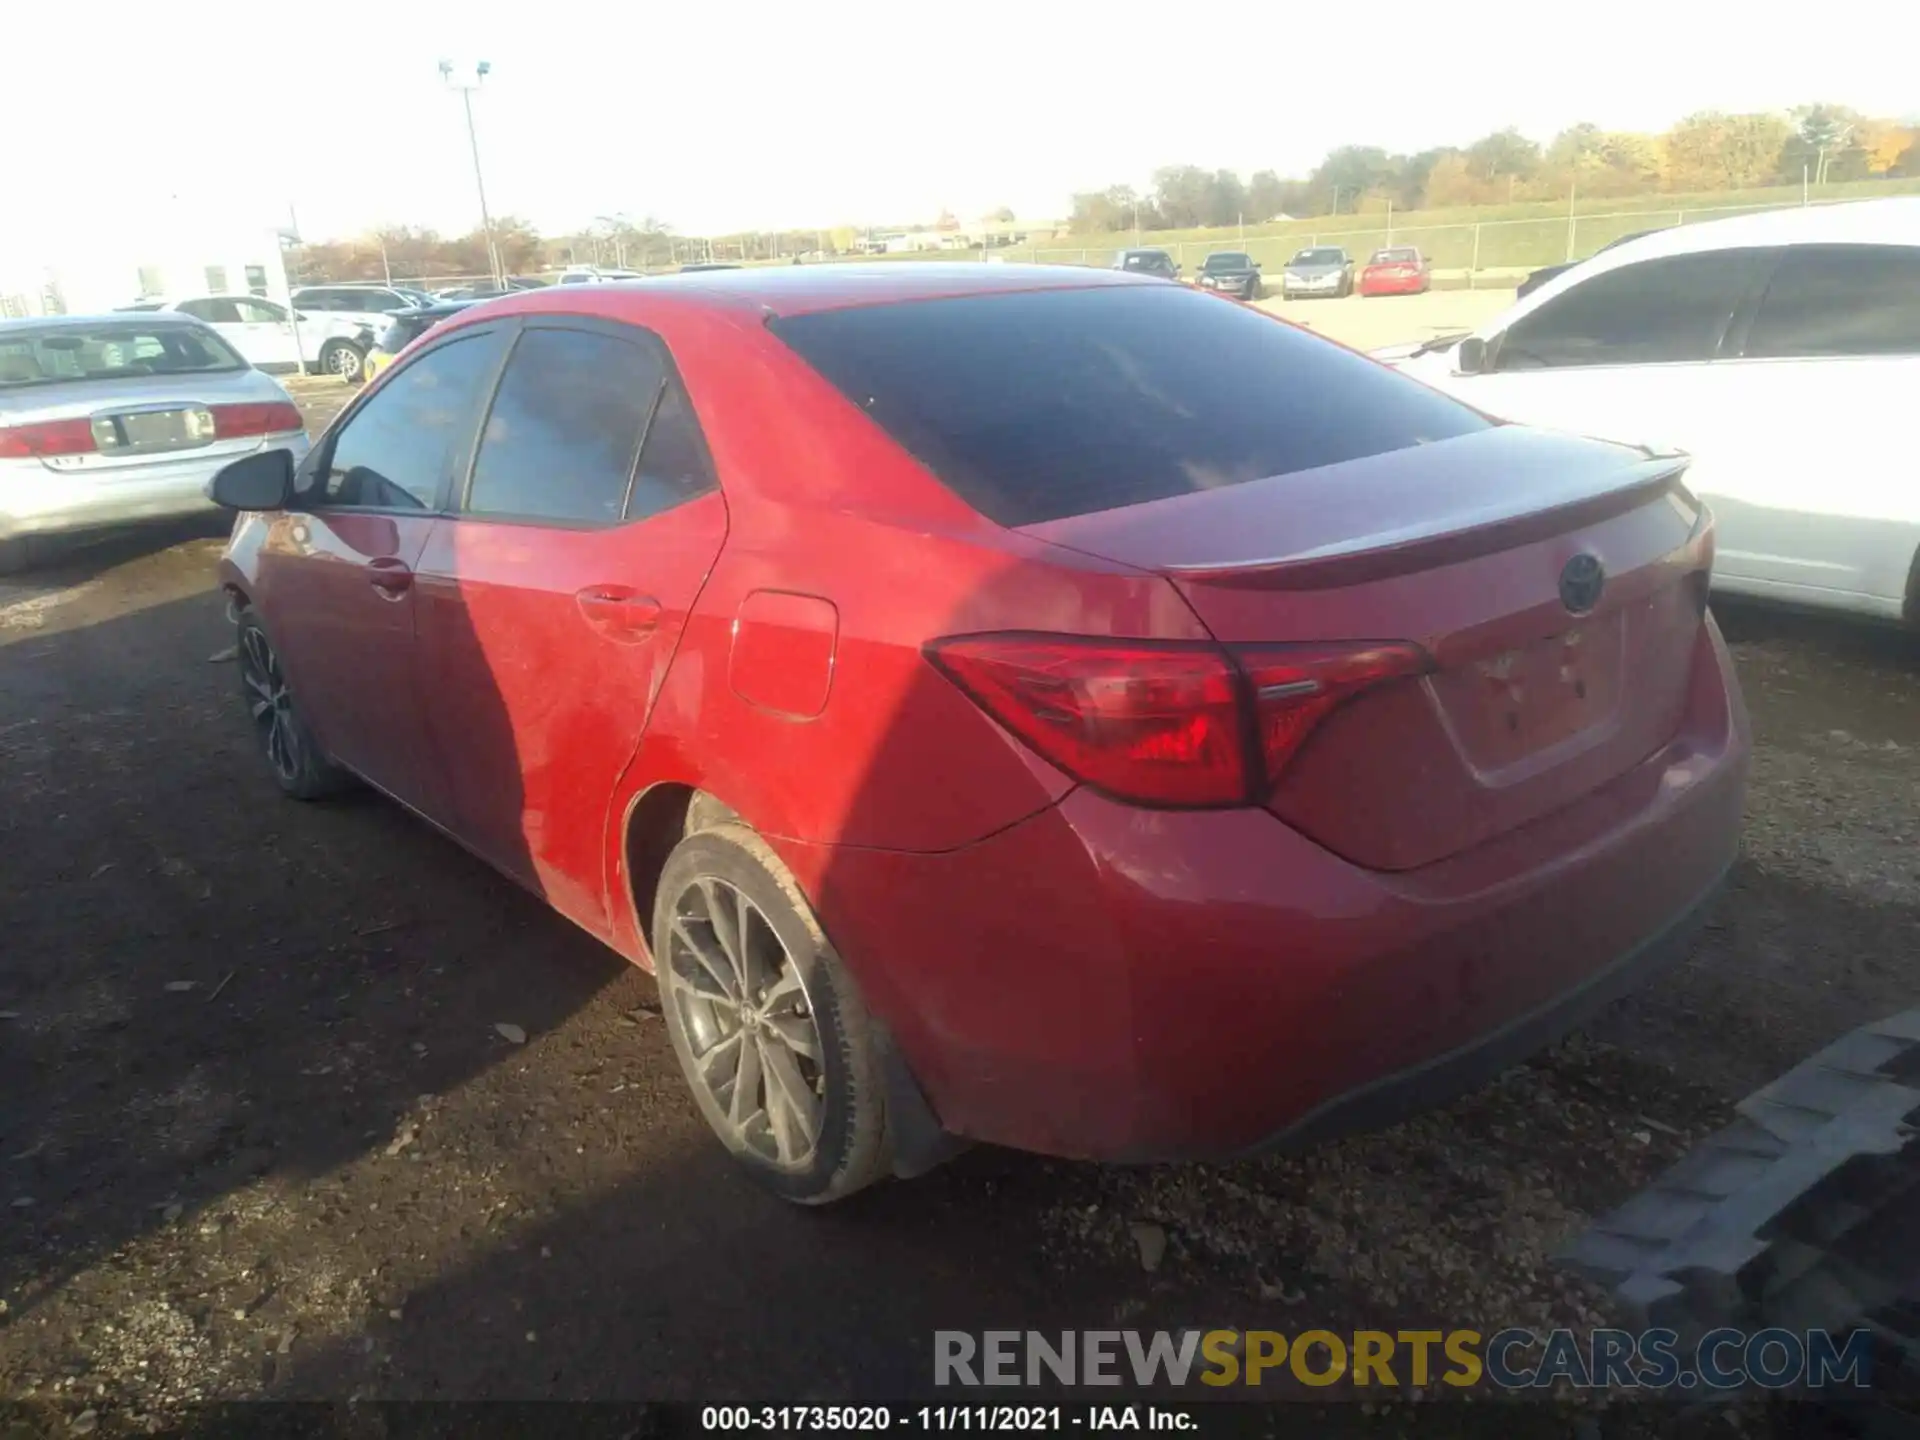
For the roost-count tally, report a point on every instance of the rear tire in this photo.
(340, 359)
(299, 765)
(791, 1081)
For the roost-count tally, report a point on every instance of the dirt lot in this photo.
(1393, 319)
(262, 1133)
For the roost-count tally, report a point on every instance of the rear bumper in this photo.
(1397, 286)
(1433, 1082)
(39, 501)
(1113, 983)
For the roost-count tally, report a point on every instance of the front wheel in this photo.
(298, 763)
(340, 359)
(770, 1032)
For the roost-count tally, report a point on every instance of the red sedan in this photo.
(1031, 705)
(1401, 270)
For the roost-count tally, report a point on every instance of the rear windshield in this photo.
(110, 352)
(1039, 405)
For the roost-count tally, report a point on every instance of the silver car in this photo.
(111, 419)
(1318, 270)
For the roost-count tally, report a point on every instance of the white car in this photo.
(370, 306)
(594, 275)
(1782, 350)
(263, 332)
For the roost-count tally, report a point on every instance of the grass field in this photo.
(1517, 237)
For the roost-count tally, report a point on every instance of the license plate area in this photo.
(1504, 708)
(153, 432)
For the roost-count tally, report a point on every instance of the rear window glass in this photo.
(1036, 406)
(110, 352)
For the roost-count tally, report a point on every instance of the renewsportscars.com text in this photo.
(1511, 1359)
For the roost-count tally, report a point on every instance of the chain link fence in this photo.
(1484, 249)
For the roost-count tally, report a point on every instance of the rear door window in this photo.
(1664, 311)
(564, 433)
(1829, 300)
(1039, 405)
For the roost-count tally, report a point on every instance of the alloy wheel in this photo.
(269, 703)
(748, 1021)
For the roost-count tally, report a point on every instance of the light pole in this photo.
(466, 89)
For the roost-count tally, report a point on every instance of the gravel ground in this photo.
(303, 1102)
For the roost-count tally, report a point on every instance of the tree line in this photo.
(1707, 151)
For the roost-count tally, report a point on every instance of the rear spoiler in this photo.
(1452, 538)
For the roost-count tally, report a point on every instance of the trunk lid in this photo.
(1478, 549)
(142, 420)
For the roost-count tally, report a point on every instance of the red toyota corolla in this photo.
(1033, 705)
(1402, 270)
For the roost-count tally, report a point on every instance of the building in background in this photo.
(173, 245)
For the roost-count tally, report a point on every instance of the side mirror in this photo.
(1470, 356)
(299, 314)
(256, 482)
(1256, 264)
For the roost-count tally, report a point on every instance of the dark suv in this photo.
(1148, 262)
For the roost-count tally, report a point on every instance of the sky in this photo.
(717, 118)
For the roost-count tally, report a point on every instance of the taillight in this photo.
(1167, 724)
(46, 439)
(1295, 687)
(272, 417)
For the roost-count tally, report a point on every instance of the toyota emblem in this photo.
(1581, 583)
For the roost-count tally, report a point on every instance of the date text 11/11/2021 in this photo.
(941, 1418)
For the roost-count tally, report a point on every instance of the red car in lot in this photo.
(1020, 704)
(1398, 270)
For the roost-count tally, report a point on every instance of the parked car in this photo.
(264, 332)
(107, 420)
(1548, 272)
(1148, 262)
(404, 327)
(594, 274)
(1025, 704)
(1232, 272)
(1317, 270)
(487, 290)
(366, 306)
(1781, 350)
(1397, 270)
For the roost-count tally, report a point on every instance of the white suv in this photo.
(368, 306)
(1781, 349)
(263, 332)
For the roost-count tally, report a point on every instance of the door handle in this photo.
(619, 611)
(390, 576)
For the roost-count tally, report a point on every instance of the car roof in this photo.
(1861, 222)
(785, 290)
(110, 317)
